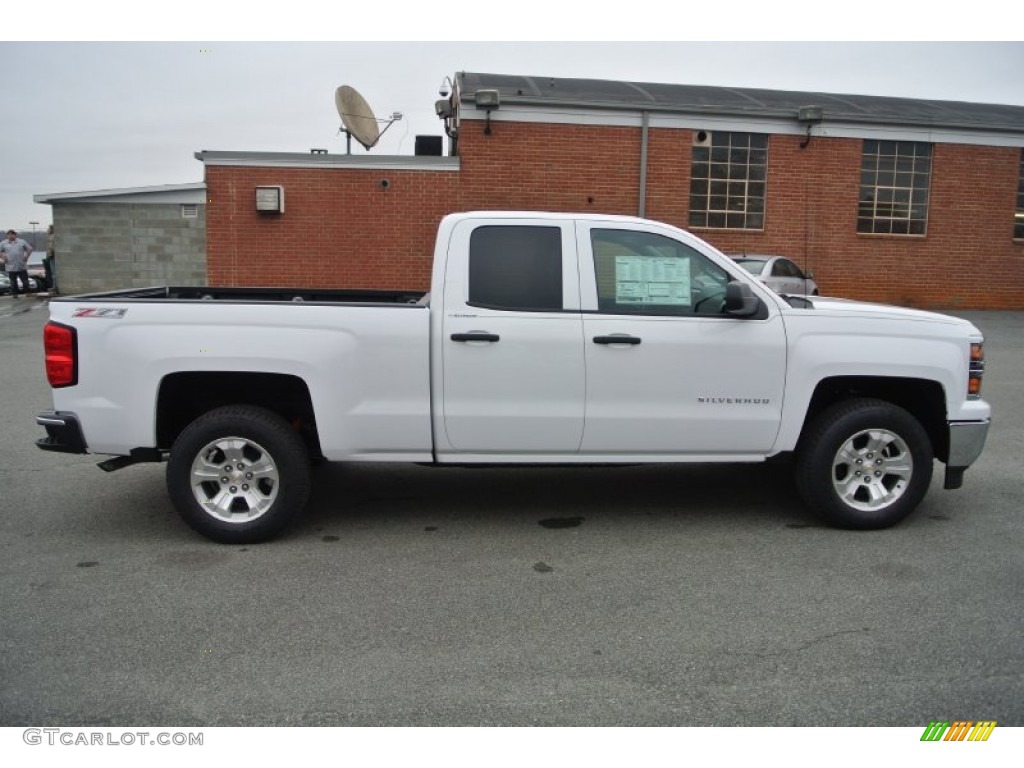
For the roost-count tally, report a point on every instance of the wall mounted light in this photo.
(488, 99)
(809, 116)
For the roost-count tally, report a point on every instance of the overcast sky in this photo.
(100, 115)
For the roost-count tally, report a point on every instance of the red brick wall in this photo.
(529, 166)
(967, 259)
(340, 228)
(368, 237)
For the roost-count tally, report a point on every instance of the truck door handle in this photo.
(617, 339)
(475, 336)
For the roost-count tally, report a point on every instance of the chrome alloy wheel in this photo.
(234, 479)
(872, 469)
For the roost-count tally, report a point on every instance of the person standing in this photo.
(50, 262)
(15, 252)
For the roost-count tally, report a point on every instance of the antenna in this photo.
(358, 119)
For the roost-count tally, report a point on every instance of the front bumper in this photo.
(966, 442)
(63, 432)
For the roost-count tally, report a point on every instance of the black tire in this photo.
(882, 442)
(257, 494)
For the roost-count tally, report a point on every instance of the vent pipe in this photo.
(645, 124)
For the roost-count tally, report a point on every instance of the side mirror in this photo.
(808, 275)
(740, 301)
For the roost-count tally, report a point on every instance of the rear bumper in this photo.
(63, 432)
(966, 442)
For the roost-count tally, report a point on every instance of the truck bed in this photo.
(359, 359)
(260, 295)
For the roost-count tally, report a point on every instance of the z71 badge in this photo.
(111, 313)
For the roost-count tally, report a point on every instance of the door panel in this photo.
(690, 380)
(689, 386)
(512, 341)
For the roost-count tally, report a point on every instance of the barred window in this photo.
(727, 180)
(894, 181)
(1018, 218)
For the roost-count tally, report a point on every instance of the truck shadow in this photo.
(554, 497)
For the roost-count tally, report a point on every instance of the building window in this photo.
(894, 181)
(1018, 218)
(190, 211)
(727, 180)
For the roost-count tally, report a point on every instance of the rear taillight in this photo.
(61, 345)
(977, 370)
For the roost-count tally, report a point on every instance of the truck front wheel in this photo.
(238, 474)
(864, 464)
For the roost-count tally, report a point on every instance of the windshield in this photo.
(753, 266)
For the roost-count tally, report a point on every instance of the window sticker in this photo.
(652, 280)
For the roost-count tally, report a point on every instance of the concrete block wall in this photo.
(106, 246)
(362, 235)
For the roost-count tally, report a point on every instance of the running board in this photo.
(137, 456)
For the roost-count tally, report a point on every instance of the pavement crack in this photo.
(828, 636)
(817, 640)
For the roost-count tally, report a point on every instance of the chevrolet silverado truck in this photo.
(545, 339)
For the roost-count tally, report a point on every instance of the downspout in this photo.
(645, 124)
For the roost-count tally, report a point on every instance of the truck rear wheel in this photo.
(238, 474)
(864, 464)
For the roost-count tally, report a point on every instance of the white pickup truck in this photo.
(545, 338)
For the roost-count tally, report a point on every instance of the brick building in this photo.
(906, 201)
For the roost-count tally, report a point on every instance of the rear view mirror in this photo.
(740, 301)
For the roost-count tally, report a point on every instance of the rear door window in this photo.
(516, 267)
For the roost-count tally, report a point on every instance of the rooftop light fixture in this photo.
(488, 99)
(809, 116)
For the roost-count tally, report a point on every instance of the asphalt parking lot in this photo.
(658, 596)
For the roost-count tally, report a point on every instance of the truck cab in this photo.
(601, 338)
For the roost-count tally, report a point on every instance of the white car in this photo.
(779, 273)
(5, 284)
(35, 285)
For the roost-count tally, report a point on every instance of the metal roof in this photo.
(740, 102)
(163, 193)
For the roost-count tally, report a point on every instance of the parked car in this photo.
(37, 280)
(35, 284)
(779, 273)
(35, 265)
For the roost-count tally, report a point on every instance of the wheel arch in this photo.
(185, 396)
(925, 400)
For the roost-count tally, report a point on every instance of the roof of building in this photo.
(740, 102)
(319, 160)
(166, 193)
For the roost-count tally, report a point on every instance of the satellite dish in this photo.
(356, 116)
